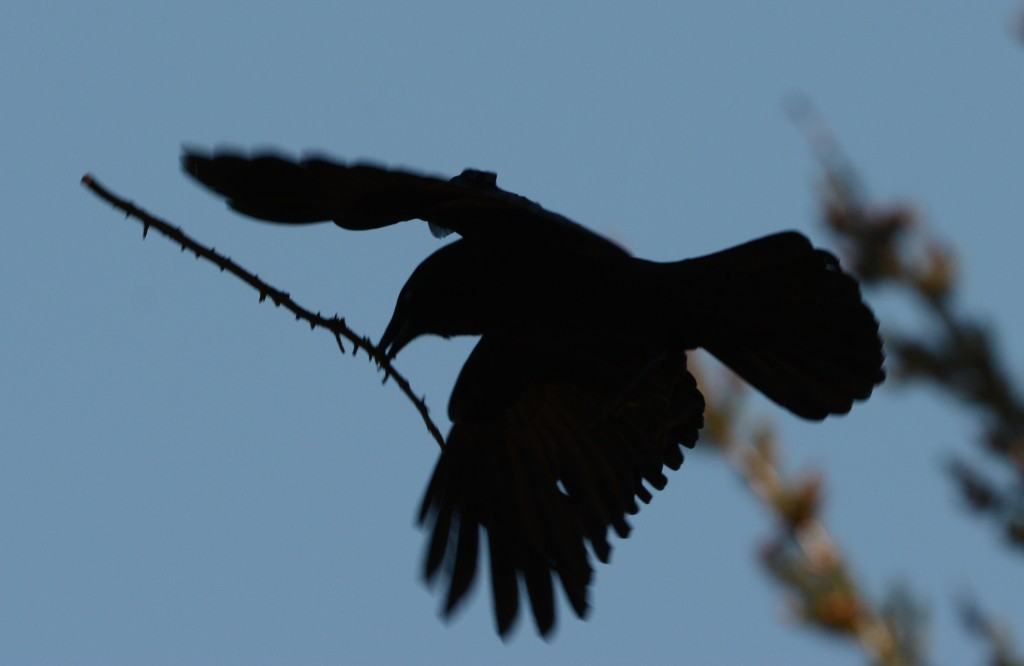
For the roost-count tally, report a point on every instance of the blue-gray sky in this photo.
(187, 476)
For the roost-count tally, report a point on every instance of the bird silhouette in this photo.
(577, 395)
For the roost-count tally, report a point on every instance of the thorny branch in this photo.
(335, 324)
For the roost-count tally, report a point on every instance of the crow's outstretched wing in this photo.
(542, 459)
(365, 196)
(360, 196)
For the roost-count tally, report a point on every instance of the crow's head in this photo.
(450, 293)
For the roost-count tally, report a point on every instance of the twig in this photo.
(336, 325)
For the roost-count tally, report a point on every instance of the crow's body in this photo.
(577, 395)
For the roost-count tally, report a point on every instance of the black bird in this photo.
(577, 395)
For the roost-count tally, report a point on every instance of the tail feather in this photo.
(787, 319)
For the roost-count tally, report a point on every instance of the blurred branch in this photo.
(1017, 25)
(889, 247)
(985, 627)
(801, 555)
(335, 324)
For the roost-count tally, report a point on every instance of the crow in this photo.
(577, 395)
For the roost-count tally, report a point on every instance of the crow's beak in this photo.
(396, 336)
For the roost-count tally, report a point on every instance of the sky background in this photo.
(190, 477)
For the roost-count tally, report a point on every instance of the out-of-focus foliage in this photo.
(889, 248)
(996, 634)
(801, 554)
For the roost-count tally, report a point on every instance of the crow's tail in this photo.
(787, 319)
